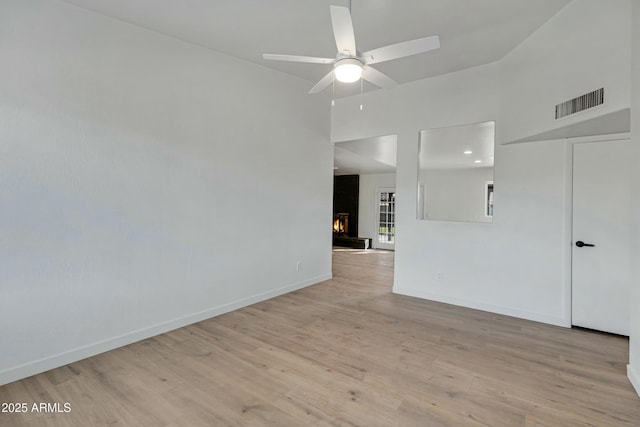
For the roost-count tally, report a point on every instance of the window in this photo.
(488, 211)
(386, 218)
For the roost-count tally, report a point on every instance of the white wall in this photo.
(519, 264)
(143, 184)
(583, 48)
(455, 194)
(634, 344)
(367, 202)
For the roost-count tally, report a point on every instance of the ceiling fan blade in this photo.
(297, 58)
(378, 78)
(322, 84)
(343, 30)
(400, 50)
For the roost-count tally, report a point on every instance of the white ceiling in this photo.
(368, 155)
(472, 32)
(440, 148)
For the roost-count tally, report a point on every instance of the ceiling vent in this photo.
(581, 103)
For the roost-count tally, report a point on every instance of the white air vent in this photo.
(581, 103)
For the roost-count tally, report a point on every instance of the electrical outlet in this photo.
(298, 265)
(439, 276)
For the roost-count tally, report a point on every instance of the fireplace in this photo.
(341, 233)
(345, 213)
(341, 224)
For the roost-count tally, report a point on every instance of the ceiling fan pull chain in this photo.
(361, 91)
(333, 91)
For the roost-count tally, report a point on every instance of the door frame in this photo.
(376, 244)
(568, 212)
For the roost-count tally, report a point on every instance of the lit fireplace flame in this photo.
(341, 223)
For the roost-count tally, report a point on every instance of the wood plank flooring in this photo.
(346, 352)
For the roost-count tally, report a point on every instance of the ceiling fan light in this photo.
(348, 70)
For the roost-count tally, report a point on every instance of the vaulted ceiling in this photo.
(472, 32)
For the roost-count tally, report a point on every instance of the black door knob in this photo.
(581, 244)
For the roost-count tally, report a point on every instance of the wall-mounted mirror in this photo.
(455, 173)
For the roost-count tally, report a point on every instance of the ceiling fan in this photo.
(349, 65)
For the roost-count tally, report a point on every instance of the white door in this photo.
(600, 254)
(386, 220)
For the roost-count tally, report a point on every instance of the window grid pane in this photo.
(386, 228)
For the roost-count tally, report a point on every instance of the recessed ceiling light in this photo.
(468, 152)
(477, 161)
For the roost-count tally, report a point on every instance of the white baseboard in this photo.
(507, 311)
(634, 377)
(37, 366)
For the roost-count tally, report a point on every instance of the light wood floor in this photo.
(346, 352)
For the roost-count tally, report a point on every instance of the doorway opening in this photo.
(364, 187)
(369, 164)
